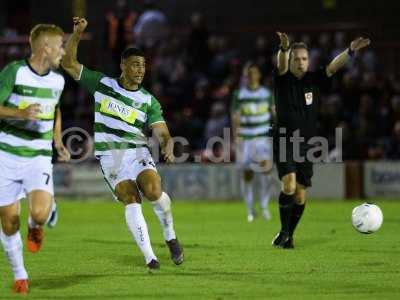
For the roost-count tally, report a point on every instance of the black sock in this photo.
(285, 209)
(297, 212)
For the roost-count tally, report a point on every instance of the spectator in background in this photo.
(339, 44)
(170, 70)
(350, 146)
(393, 144)
(329, 117)
(262, 54)
(222, 55)
(197, 52)
(395, 102)
(320, 55)
(119, 24)
(151, 28)
(216, 151)
(217, 122)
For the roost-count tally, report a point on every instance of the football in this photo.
(367, 218)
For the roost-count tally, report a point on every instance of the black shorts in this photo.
(286, 165)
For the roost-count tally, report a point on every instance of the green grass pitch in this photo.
(91, 255)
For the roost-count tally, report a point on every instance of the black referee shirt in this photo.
(296, 101)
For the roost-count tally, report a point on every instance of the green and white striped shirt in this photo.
(120, 115)
(254, 107)
(21, 86)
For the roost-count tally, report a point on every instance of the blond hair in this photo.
(44, 29)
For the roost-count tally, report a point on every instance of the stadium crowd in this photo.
(193, 75)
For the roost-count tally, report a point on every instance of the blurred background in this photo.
(195, 53)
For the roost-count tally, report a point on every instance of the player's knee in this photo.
(300, 201)
(289, 187)
(39, 215)
(300, 197)
(266, 166)
(11, 225)
(152, 191)
(126, 196)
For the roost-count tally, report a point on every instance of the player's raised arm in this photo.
(70, 62)
(340, 60)
(283, 53)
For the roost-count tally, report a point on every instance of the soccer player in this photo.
(297, 93)
(252, 107)
(30, 121)
(123, 109)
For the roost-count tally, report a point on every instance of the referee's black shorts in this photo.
(286, 164)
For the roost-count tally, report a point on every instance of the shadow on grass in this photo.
(107, 242)
(136, 261)
(195, 246)
(155, 245)
(61, 282)
(104, 296)
(311, 242)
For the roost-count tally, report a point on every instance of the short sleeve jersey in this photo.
(121, 115)
(254, 107)
(21, 86)
(296, 101)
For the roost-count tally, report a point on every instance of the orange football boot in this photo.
(21, 286)
(35, 239)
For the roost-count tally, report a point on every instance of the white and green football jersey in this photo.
(21, 86)
(120, 115)
(254, 107)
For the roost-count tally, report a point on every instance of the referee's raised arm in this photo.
(339, 61)
(283, 53)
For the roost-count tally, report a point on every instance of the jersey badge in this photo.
(309, 98)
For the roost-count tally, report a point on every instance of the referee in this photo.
(297, 93)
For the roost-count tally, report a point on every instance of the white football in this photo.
(367, 218)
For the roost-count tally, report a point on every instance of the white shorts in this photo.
(250, 153)
(19, 177)
(125, 165)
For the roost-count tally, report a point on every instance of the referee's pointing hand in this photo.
(359, 43)
(284, 39)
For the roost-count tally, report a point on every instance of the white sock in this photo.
(162, 208)
(265, 186)
(53, 208)
(248, 195)
(13, 247)
(138, 227)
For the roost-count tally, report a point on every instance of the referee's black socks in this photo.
(297, 212)
(286, 203)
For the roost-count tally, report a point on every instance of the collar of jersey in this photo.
(33, 70)
(120, 85)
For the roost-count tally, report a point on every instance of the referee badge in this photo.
(308, 97)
